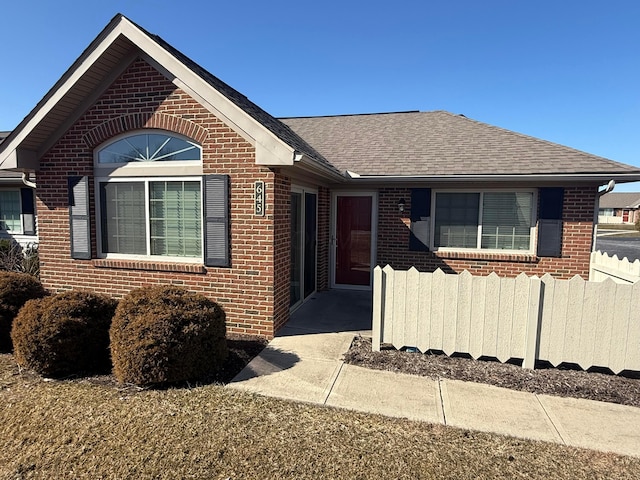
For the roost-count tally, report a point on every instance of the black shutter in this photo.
(420, 210)
(28, 211)
(550, 222)
(79, 225)
(216, 219)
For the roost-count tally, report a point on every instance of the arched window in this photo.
(152, 200)
(149, 147)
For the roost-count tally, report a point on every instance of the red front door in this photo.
(353, 240)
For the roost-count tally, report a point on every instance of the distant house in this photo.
(152, 170)
(17, 207)
(622, 207)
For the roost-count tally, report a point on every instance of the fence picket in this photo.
(606, 303)
(437, 309)
(411, 307)
(478, 297)
(573, 320)
(505, 318)
(491, 315)
(399, 310)
(378, 308)
(522, 292)
(464, 301)
(424, 305)
(450, 314)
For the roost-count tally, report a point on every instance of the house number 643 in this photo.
(259, 198)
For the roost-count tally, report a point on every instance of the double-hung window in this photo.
(155, 217)
(149, 188)
(486, 220)
(10, 220)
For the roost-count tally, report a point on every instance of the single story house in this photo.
(152, 170)
(17, 207)
(619, 207)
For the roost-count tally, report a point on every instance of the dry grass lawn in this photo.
(93, 428)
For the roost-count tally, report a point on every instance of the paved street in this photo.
(623, 247)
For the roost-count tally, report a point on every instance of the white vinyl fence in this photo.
(620, 271)
(528, 318)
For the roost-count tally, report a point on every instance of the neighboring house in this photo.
(152, 170)
(623, 207)
(17, 207)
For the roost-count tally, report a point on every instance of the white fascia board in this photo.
(270, 150)
(9, 150)
(320, 169)
(564, 177)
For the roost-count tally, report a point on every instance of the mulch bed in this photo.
(550, 381)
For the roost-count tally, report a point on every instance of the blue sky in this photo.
(567, 71)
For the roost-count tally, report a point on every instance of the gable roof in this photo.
(439, 143)
(3, 135)
(105, 59)
(620, 200)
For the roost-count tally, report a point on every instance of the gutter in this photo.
(319, 168)
(26, 181)
(499, 178)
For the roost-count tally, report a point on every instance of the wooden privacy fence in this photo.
(591, 324)
(620, 271)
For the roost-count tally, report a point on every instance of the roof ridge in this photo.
(352, 114)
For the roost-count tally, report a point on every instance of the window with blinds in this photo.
(10, 211)
(149, 217)
(484, 220)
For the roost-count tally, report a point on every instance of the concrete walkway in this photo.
(304, 363)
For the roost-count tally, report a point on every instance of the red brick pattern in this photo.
(254, 290)
(393, 242)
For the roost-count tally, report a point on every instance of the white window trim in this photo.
(14, 232)
(532, 227)
(146, 180)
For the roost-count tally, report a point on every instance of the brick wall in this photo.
(142, 98)
(393, 242)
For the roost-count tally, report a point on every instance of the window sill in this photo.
(491, 256)
(149, 265)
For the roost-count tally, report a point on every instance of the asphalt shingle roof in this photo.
(620, 200)
(439, 143)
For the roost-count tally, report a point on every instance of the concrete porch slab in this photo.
(387, 393)
(596, 425)
(331, 311)
(492, 409)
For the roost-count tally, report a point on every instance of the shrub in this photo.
(15, 258)
(65, 334)
(15, 290)
(163, 335)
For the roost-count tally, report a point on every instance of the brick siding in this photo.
(578, 208)
(254, 291)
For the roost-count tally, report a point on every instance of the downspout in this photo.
(26, 181)
(610, 186)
